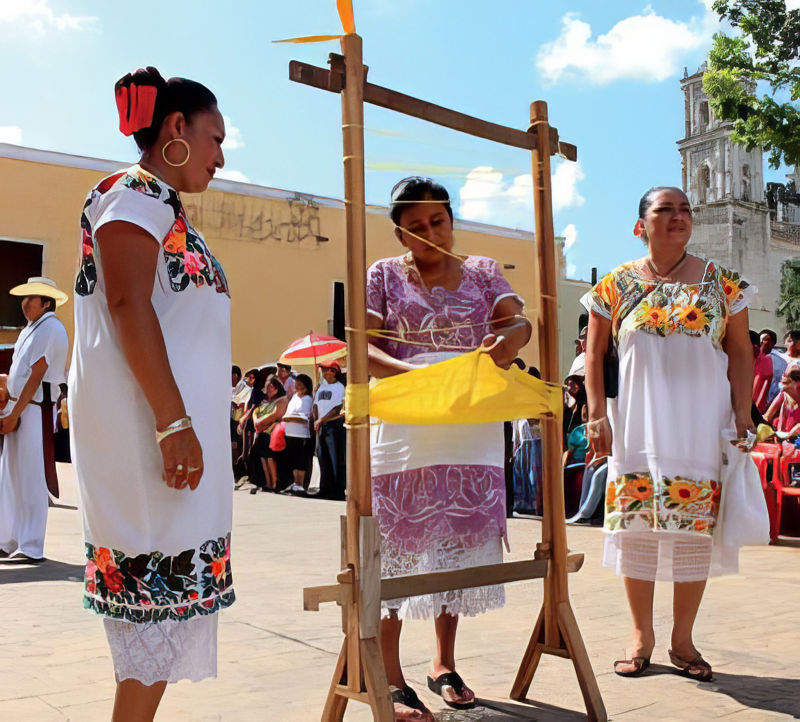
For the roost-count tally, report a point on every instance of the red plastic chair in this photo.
(766, 458)
(781, 482)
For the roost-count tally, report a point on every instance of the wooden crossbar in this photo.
(417, 584)
(333, 81)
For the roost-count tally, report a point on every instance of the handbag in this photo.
(277, 437)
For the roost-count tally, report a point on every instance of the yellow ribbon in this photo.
(356, 402)
(345, 9)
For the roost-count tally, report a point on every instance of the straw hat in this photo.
(41, 286)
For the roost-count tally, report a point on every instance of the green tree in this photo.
(789, 297)
(764, 50)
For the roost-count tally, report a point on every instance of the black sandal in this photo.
(450, 679)
(408, 697)
(697, 669)
(640, 664)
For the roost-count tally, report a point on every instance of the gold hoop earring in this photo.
(164, 152)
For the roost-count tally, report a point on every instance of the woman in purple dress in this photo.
(438, 491)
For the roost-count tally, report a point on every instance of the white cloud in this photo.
(793, 4)
(570, 234)
(565, 186)
(38, 14)
(233, 136)
(232, 175)
(488, 198)
(11, 134)
(645, 47)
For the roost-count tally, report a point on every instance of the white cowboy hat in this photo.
(41, 286)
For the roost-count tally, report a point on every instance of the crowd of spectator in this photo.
(279, 421)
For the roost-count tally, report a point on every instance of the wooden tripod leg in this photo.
(335, 704)
(375, 681)
(530, 661)
(571, 634)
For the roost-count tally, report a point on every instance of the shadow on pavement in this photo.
(499, 711)
(773, 694)
(17, 572)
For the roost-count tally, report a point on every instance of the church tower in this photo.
(725, 185)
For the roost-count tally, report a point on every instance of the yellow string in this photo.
(460, 259)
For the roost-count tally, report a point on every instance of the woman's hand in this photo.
(183, 459)
(600, 436)
(501, 351)
(745, 432)
(8, 424)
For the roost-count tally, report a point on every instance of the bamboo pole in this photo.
(554, 533)
(358, 492)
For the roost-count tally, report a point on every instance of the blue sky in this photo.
(610, 72)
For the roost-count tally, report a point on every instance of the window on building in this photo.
(703, 114)
(337, 322)
(18, 262)
(704, 184)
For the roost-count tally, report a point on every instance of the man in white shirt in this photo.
(27, 462)
(331, 435)
(284, 375)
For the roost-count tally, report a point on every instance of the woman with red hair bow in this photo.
(152, 327)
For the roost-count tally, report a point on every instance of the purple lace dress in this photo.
(438, 491)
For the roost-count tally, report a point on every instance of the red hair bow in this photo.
(135, 105)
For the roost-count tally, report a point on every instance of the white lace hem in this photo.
(664, 556)
(168, 651)
(466, 602)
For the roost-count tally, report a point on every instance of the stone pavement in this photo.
(276, 661)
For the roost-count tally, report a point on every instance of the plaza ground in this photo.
(276, 660)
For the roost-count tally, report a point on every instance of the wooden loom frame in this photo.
(359, 673)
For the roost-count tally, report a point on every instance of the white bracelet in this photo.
(595, 423)
(180, 425)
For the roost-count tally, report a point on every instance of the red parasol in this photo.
(314, 349)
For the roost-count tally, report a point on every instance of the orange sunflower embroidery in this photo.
(611, 494)
(641, 489)
(693, 318)
(683, 493)
(175, 242)
(652, 315)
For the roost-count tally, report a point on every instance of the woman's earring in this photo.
(167, 160)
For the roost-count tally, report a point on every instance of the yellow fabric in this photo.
(356, 402)
(467, 389)
(345, 8)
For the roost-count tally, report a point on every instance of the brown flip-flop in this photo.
(640, 665)
(702, 673)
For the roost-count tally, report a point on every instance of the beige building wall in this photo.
(282, 251)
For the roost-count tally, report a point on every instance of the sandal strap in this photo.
(407, 696)
(451, 679)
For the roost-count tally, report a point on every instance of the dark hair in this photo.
(793, 373)
(236, 370)
(755, 339)
(773, 336)
(48, 299)
(646, 200)
(794, 335)
(416, 188)
(305, 379)
(288, 367)
(173, 95)
(252, 372)
(275, 382)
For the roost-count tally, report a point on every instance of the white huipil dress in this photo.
(672, 423)
(23, 488)
(158, 559)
